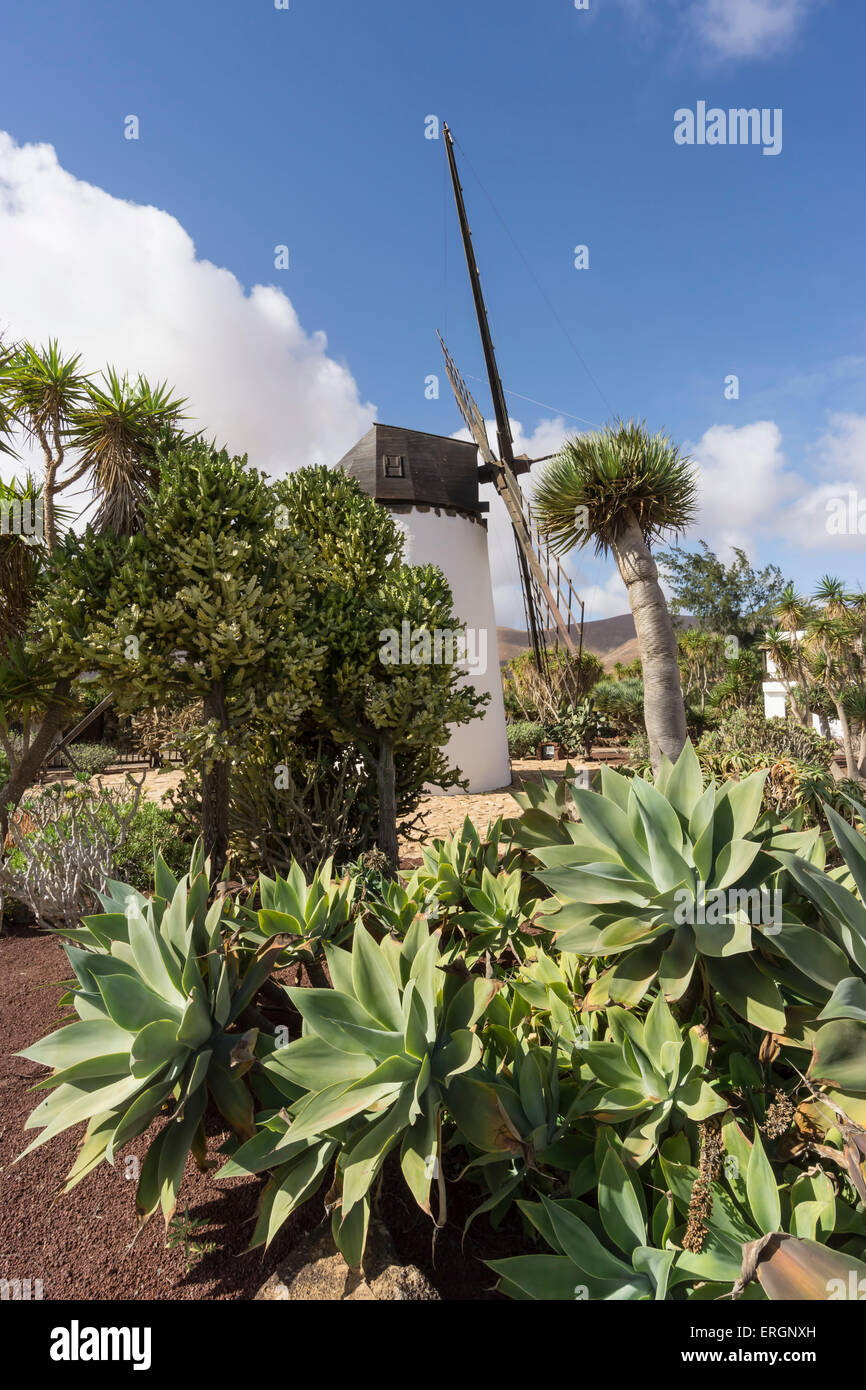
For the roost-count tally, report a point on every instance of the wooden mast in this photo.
(502, 469)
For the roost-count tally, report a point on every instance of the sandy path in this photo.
(443, 815)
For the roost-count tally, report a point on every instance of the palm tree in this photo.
(19, 555)
(623, 488)
(784, 645)
(834, 644)
(107, 434)
(104, 432)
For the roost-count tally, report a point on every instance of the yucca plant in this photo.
(639, 871)
(159, 996)
(372, 1071)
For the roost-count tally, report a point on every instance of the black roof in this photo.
(406, 466)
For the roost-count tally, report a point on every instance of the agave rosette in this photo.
(158, 996)
(371, 1071)
(651, 1076)
(637, 872)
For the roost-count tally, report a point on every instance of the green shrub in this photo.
(621, 702)
(153, 829)
(746, 739)
(659, 1068)
(577, 728)
(524, 736)
(92, 758)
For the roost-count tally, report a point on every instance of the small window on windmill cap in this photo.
(395, 466)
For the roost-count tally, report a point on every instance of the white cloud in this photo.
(832, 511)
(601, 600)
(121, 283)
(750, 494)
(608, 600)
(745, 482)
(749, 28)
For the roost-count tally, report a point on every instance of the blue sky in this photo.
(306, 127)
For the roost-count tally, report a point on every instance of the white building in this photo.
(776, 700)
(429, 483)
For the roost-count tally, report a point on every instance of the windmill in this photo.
(551, 604)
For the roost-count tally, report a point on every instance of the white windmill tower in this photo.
(431, 484)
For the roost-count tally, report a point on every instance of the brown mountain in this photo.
(611, 639)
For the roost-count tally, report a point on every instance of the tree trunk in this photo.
(847, 741)
(386, 781)
(215, 792)
(49, 524)
(664, 708)
(24, 774)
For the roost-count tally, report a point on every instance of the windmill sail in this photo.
(550, 601)
(552, 606)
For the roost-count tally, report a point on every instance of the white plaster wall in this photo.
(774, 700)
(776, 704)
(459, 547)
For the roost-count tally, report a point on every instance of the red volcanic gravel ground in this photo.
(78, 1245)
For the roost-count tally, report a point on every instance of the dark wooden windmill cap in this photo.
(399, 466)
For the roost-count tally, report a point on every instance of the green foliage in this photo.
(537, 695)
(371, 1072)
(577, 728)
(308, 914)
(651, 1099)
(602, 480)
(157, 991)
(732, 600)
(651, 1075)
(621, 703)
(524, 736)
(636, 876)
(360, 590)
(92, 758)
(744, 736)
(153, 830)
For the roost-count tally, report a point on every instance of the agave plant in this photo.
(398, 904)
(548, 811)
(514, 1120)
(610, 1255)
(159, 997)
(639, 871)
(742, 1209)
(551, 989)
(498, 920)
(452, 865)
(650, 1075)
(373, 1069)
(306, 914)
(838, 1039)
